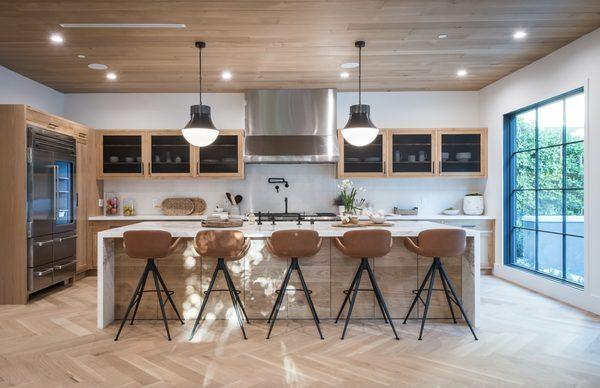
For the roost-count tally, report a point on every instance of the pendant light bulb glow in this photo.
(360, 131)
(200, 130)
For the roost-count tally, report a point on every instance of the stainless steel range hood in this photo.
(291, 126)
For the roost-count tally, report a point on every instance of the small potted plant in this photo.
(348, 195)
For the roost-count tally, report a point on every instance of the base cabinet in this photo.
(486, 232)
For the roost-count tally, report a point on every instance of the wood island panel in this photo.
(259, 274)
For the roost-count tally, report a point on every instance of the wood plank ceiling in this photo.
(285, 44)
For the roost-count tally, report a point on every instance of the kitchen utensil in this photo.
(177, 206)
(238, 198)
(129, 159)
(422, 156)
(234, 210)
(412, 158)
(228, 195)
(113, 159)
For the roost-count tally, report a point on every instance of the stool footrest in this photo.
(360, 289)
(416, 292)
(222, 290)
(279, 291)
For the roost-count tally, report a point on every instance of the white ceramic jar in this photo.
(473, 205)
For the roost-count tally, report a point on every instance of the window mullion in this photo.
(536, 186)
(564, 193)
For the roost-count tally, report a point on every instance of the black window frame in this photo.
(510, 188)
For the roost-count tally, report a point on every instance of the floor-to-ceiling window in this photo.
(544, 176)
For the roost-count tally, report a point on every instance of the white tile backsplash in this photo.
(312, 188)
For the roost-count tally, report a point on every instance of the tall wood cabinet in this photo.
(417, 153)
(14, 120)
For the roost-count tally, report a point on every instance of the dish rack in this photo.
(406, 212)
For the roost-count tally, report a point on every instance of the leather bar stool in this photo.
(295, 244)
(365, 244)
(149, 245)
(225, 245)
(438, 243)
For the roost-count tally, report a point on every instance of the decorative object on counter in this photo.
(473, 204)
(359, 130)
(113, 159)
(230, 198)
(406, 212)
(251, 218)
(111, 204)
(199, 206)
(128, 207)
(177, 206)
(200, 130)
(377, 217)
(451, 211)
(214, 223)
(348, 196)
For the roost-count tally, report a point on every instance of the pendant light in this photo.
(200, 130)
(359, 131)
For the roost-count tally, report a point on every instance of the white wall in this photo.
(312, 187)
(573, 66)
(16, 89)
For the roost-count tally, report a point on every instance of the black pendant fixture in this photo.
(200, 130)
(359, 130)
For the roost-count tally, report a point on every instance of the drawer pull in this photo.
(43, 243)
(61, 239)
(44, 272)
(63, 266)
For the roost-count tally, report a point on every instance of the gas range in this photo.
(295, 216)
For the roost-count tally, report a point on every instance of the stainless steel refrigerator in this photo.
(51, 208)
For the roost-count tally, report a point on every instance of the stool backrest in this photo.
(365, 243)
(295, 243)
(442, 242)
(147, 244)
(226, 244)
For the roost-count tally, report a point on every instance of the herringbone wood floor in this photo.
(525, 340)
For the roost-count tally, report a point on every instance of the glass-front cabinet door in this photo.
(170, 154)
(365, 161)
(412, 152)
(223, 158)
(122, 153)
(462, 152)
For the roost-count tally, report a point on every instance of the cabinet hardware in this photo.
(43, 243)
(61, 239)
(62, 266)
(44, 272)
(53, 125)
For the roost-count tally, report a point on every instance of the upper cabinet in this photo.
(166, 154)
(365, 161)
(417, 153)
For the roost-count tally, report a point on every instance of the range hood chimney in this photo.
(291, 126)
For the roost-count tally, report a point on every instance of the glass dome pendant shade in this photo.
(360, 131)
(200, 130)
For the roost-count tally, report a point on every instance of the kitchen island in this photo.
(259, 274)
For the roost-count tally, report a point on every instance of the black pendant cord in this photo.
(200, 74)
(359, 75)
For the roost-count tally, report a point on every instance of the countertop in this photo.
(325, 229)
(391, 217)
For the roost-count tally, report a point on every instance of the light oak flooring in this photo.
(525, 340)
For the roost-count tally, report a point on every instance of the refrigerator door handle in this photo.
(55, 195)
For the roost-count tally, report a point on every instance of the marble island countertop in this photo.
(389, 217)
(325, 229)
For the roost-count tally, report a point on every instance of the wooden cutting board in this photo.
(361, 224)
(222, 224)
(177, 206)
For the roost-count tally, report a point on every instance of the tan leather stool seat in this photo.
(438, 243)
(365, 244)
(225, 245)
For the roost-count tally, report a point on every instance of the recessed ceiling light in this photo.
(349, 65)
(519, 34)
(442, 36)
(56, 38)
(122, 25)
(111, 76)
(81, 56)
(344, 74)
(226, 75)
(97, 66)
(461, 72)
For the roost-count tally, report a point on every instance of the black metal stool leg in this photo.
(447, 294)
(160, 300)
(278, 306)
(204, 301)
(414, 302)
(308, 298)
(379, 297)
(141, 293)
(279, 294)
(445, 275)
(164, 286)
(353, 299)
(233, 294)
(431, 282)
(348, 294)
(133, 299)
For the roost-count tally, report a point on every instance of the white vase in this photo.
(473, 205)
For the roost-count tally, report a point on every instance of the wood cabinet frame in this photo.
(100, 153)
(436, 154)
(240, 157)
(384, 159)
(149, 161)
